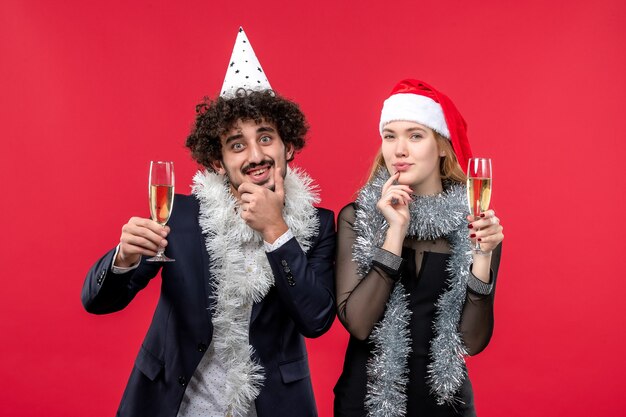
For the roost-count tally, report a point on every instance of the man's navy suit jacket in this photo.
(301, 303)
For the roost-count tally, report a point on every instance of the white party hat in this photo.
(244, 70)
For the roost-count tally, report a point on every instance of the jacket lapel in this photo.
(256, 309)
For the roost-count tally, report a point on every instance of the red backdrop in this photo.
(91, 91)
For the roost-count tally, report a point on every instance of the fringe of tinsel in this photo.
(234, 291)
(447, 371)
(432, 217)
(387, 370)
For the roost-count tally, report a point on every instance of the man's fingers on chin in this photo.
(248, 187)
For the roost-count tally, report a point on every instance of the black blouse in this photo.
(361, 303)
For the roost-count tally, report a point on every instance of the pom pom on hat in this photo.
(416, 101)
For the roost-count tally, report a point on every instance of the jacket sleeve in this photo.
(105, 292)
(477, 319)
(305, 281)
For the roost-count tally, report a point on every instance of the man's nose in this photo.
(255, 154)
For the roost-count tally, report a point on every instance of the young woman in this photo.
(410, 291)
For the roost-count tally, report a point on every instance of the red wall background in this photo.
(91, 91)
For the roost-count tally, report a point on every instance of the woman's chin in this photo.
(404, 179)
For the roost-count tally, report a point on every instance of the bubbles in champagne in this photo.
(161, 202)
(478, 195)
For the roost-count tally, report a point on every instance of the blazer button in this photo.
(202, 347)
(103, 273)
(283, 262)
(182, 381)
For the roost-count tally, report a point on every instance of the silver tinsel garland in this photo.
(235, 290)
(432, 217)
(387, 370)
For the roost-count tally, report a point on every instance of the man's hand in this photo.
(262, 208)
(140, 237)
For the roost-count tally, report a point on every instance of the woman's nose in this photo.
(401, 148)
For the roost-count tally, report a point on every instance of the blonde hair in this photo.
(449, 167)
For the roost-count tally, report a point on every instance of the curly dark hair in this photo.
(215, 117)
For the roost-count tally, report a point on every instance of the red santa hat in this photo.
(416, 101)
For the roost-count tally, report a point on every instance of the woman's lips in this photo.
(401, 167)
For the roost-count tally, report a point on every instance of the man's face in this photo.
(250, 153)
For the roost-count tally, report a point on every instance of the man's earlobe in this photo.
(289, 153)
(218, 167)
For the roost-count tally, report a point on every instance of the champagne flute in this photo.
(478, 188)
(161, 194)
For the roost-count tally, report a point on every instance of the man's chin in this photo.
(268, 185)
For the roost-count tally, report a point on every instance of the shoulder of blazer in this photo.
(324, 214)
(189, 202)
(185, 211)
(327, 220)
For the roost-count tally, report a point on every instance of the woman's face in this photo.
(411, 149)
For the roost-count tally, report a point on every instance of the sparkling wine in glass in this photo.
(478, 188)
(161, 195)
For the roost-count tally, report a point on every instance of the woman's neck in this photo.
(430, 188)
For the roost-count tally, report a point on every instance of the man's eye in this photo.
(237, 146)
(265, 139)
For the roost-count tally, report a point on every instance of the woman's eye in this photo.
(416, 136)
(388, 137)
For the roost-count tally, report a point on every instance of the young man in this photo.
(253, 271)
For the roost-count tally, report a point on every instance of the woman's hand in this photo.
(394, 205)
(485, 229)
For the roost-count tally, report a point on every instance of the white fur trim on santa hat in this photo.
(414, 108)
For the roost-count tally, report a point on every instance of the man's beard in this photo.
(269, 163)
